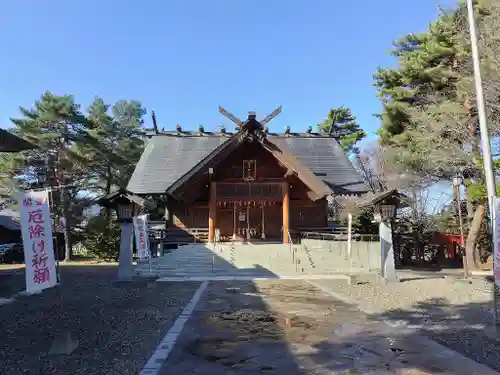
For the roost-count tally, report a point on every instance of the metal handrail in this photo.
(193, 235)
(341, 237)
(291, 247)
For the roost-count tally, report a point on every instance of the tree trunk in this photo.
(471, 251)
(473, 260)
(470, 210)
(108, 191)
(61, 181)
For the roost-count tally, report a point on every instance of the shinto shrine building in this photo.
(246, 185)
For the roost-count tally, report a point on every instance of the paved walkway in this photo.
(292, 327)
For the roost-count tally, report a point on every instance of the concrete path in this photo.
(291, 327)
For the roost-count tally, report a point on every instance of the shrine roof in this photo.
(10, 219)
(169, 156)
(192, 133)
(12, 143)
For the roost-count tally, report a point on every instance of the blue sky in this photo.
(184, 58)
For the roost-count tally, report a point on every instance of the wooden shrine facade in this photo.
(248, 195)
(249, 185)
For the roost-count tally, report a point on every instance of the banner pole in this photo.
(146, 224)
(54, 233)
(64, 343)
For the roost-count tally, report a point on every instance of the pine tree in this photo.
(428, 106)
(119, 141)
(341, 121)
(428, 64)
(53, 124)
(128, 140)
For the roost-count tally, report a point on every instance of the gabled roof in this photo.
(12, 143)
(313, 182)
(326, 159)
(317, 187)
(112, 199)
(393, 195)
(170, 156)
(10, 219)
(166, 159)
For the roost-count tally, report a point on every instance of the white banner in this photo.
(496, 241)
(141, 236)
(36, 229)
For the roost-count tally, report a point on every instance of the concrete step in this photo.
(237, 259)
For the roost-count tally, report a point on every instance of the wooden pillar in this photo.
(212, 207)
(286, 212)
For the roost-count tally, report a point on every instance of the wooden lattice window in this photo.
(249, 169)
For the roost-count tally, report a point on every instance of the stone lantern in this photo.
(125, 211)
(126, 206)
(385, 209)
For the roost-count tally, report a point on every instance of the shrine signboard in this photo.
(36, 229)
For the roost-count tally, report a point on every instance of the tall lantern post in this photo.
(385, 213)
(125, 214)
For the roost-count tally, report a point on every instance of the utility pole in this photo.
(489, 174)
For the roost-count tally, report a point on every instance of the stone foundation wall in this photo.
(334, 255)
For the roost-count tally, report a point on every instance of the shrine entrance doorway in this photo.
(249, 221)
(242, 223)
(259, 211)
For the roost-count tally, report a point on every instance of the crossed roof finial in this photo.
(251, 117)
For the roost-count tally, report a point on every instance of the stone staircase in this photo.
(256, 260)
(259, 260)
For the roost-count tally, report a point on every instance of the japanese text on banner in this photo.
(141, 236)
(37, 241)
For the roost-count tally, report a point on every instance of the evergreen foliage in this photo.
(78, 153)
(341, 121)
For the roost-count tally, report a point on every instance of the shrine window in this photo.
(249, 169)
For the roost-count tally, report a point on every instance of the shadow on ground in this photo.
(464, 328)
(278, 326)
(269, 327)
(232, 331)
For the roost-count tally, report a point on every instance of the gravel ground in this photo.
(118, 326)
(11, 282)
(451, 312)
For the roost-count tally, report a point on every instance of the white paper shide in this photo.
(36, 228)
(141, 236)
